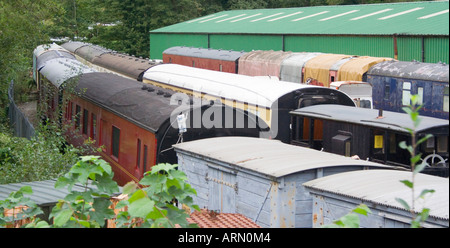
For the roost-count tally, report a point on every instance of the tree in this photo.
(21, 29)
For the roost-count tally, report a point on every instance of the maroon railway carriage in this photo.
(204, 58)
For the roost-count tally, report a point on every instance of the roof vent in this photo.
(150, 89)
(160, 92)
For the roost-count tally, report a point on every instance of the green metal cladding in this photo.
(421, 30)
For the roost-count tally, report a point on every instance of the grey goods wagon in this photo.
(259, 178)
(336, 195)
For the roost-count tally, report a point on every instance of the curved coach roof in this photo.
(291, 67)
(252, 90)
(72, 46)
(39, 50)
(382, 187)
(124, 64)
(262, 63)
(368, 117)
(219, 54)
(127, 65)
(355, 68)
(59, 70)
(269, 157)
(126, 97)
(412, 70)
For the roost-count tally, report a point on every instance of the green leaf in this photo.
(129, 188)
(428, 136)
(140, 205)
(420, 167)
(403, 203)
(408, 183)
(26, 190)
(415, 159)
(403, 145)
(362, 209)
(426, 191)
(62, 217)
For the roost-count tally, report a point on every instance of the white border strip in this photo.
(400, 13)
(371, 14)
(433, 15)
(316, 14)
(281, 17)
(343, 14)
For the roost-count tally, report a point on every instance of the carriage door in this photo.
(222, 189)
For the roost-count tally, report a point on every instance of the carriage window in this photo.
(445, 108)
(429, 145)
(387, 90)
(138, 155)
(220, 67)
(420, 94)
(442, 144)
(101, 138)
(85, 121)
(69, 111)
(392, 143)
(77, 116)
(193, 63)
(115, 141)
(93, 126)
(145, 157)
(406, 96)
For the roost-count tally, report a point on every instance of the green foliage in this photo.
(43, 157)
(21, 29)
(413, 111)
(350, 220)
(151, 203)
(154, 205)
(89, 208)
(16, 201)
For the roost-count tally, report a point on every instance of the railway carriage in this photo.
(204, 58)
(394, 82)
(270, 100)
(135, 124)
(370, 135)
(106, 60)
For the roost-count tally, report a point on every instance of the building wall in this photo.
(435, 49)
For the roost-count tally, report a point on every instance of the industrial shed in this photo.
(259, 178)
(405, 31)
(336, 195)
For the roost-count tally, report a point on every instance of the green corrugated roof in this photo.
(414, 18)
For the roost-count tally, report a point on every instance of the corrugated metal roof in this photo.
(44, 192)
(268, 157)
(368, 117)
(414, 18)
(383, 186)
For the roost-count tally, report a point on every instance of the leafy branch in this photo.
(151, 203)
(413, 111)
